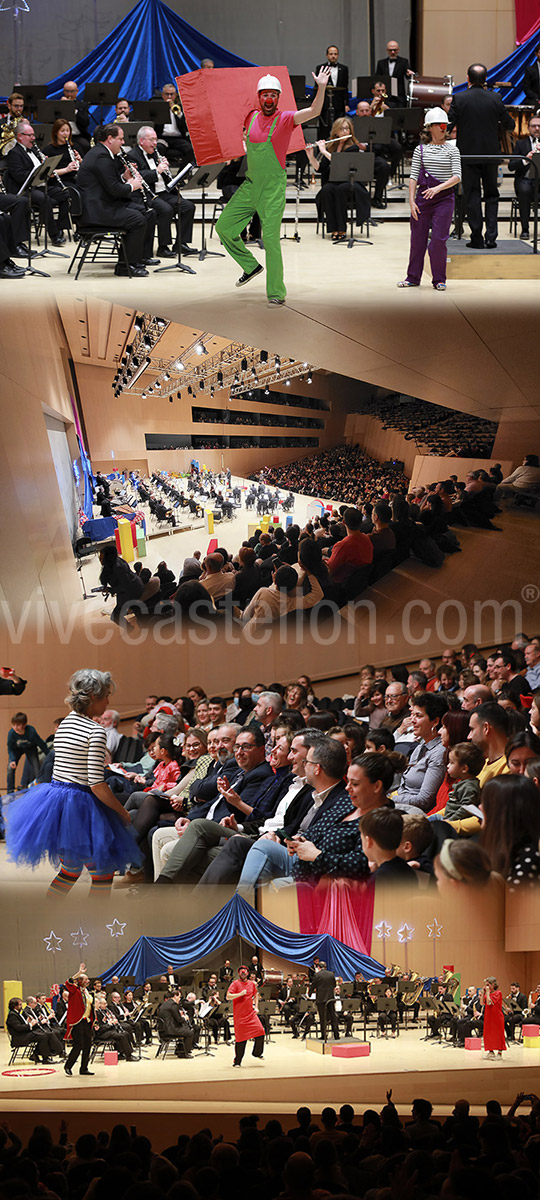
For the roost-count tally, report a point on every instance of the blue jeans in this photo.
(266, 860)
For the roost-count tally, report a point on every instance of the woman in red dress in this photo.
(243, 993)
(493, 1018)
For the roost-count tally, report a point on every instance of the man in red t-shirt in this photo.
(245, 998)
(354, 550)
(267, 136)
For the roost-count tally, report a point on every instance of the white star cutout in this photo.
(383, 929)
(116, 929)
(80, 938)
(53, 942)
(435, 929)
(405, 933)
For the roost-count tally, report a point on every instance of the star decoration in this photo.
(80, 938)
(435, 929)
(116, 929)
(53, 942)
(383, 929)
(405, 933)
(18, 6)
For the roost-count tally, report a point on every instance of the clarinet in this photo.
(146, 190)
(159, 158)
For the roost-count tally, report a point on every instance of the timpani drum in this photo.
(429, 91)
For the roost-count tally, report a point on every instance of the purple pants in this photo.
(435, 215)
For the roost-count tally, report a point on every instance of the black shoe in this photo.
(9, 270)
(87, 1072)
(524, 235)
(476, 244)
(149, 262)
(59, 240)
(164, 252)
(490, 245)
(21, 251)
(248, 276)
(135, 270)
(67, 1069)
(376, 203)
(188, 249)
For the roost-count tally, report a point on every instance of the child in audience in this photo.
(382, 833)
(465, 761)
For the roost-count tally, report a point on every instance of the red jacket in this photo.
(76, 1007)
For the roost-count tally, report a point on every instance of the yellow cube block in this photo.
(531, 1043)
(11, 988)
(126, 541)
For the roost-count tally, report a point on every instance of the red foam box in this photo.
(212, 545)
(473, 1043)
(216, 104)
(531, 1030)
(359, 1050)
(110, 1058)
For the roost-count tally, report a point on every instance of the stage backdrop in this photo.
(512, 69)
(150, 956)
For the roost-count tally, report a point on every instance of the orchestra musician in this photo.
(135, 1010)
(23, 1032)
(226, 973)
(122, 110)
(131, 1028)
(34, 1015)
(20, 162)
(176, 1024)
(62, 143)
(523, 174)
(287, 1003)
(341, 1009)
(514, 1007)
(154, 170)
(443, 1019)
(218, 1020)
(470, 1018)
(336, 99)
(109, 198)
(333, 198)
(174, 133)
(397, 68)
(15, 106)
(389, 1016)
(81, 121)
(107, 1028)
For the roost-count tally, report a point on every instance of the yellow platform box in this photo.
(531, 1043)
(11, 988)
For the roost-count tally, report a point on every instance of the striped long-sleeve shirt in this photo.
(79, 751)
(440, 161)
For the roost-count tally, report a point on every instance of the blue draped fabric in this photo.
(512, 70)
(150, 956)
(150, 47)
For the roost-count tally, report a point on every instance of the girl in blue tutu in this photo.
(75, 820)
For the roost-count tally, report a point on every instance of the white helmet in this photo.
(436, 116)
(268, 83)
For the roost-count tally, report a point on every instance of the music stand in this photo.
(49, 111)
(43, 134)
(203, 177)
(330, 111)
(158, 110)
(352, 166)
(131, 129)
(41, 173)
(103, 94)
(33, 92)
(407, 120)
(175, 185)
(373, 129)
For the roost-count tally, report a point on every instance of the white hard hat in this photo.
(436, 116)
(269, 83)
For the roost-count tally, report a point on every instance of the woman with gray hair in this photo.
(75, 820)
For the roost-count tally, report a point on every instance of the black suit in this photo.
(176, 1025)
(18, 167)
(524, 178)
(164, 204)
(531, 83)
(401, 66)
(479, 116)
(324, 984)
(21, 1034)
(107, 200)
(337, 100)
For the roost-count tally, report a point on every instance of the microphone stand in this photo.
(174, 185)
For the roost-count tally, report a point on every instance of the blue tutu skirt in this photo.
(66, 821)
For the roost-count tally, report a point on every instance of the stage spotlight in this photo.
(178, 365)
(201, 385)
(143, 395)
(263, 356)
(309, 378)
(267, 391)
(138, 324)
(178, 395)
(170, 399)
(243, 364)
(220, 378)
(166, 377)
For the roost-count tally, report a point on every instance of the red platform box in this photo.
(359, 1050)
(212, 546)
(216, 104)
(473, 1043)
(110, 1058)
(531, 1030)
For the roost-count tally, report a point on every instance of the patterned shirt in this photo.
(340, 844)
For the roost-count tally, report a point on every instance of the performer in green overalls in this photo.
(268, 134)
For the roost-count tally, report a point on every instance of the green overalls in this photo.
(263, 191)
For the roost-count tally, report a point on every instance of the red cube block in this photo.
(357, 1050)
(473, 1043)
(531, 1031)
(110, 1058)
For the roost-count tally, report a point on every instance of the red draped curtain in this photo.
(341, 907)
(527, 19)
